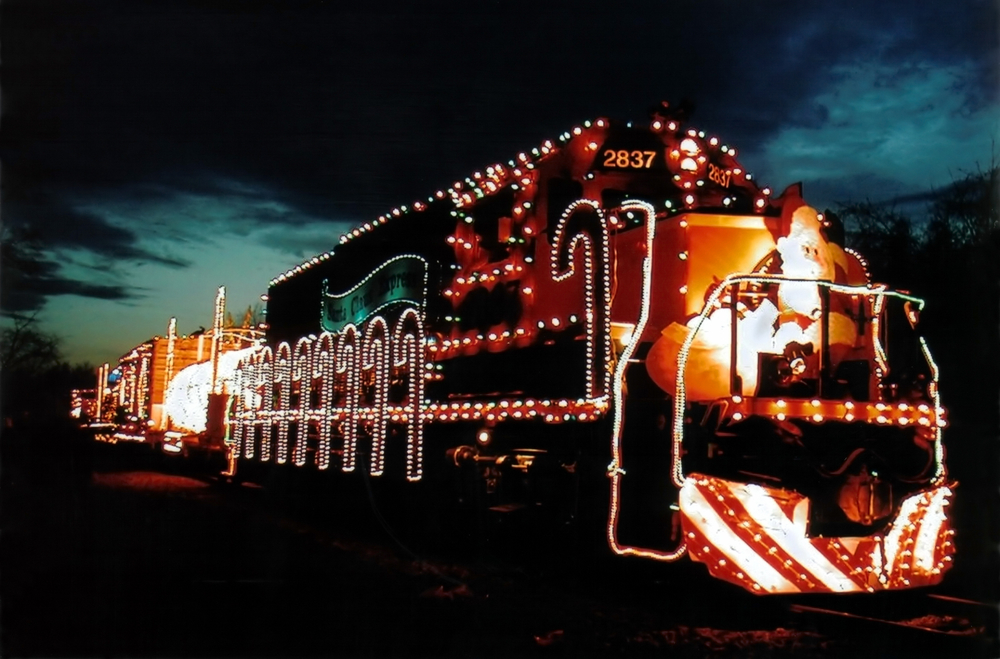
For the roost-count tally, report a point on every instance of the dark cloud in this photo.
(858, 187)
(882, 193)
(300, 111)
(306, 241)
(254, 77)
(29, 278)
(60, 226)
(362, 105)
(927, 198)
(33, 294)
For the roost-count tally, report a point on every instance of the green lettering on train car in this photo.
(399, 280)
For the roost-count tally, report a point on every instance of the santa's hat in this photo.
(790, 201)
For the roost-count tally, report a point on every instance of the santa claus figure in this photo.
(806, 255)
(789, 324)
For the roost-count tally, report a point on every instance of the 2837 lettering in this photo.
(625, 159)
(718, 175)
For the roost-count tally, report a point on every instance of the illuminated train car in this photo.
(170, 392)
(620, 320)
(83, 405)
(128, 398)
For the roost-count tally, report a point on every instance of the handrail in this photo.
(879, 291)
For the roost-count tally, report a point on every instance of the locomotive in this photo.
(621, 320)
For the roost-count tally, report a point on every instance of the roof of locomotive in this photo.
(691, 160)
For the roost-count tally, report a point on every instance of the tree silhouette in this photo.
(25, 347)
(952, 260)
(885, 237)
(253, 316)
(34, 381)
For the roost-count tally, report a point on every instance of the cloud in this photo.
(344, 113)
(30, 279)
(165, 134)
(85, 235)
(208, 209)
(890, 131)
(304, 241)
(58, 225)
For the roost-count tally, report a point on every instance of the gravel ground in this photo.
(104, 554)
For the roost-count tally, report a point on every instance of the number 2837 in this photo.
(629, 159)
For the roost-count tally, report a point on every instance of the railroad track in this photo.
(919, 624)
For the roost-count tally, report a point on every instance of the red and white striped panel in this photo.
(755, 537)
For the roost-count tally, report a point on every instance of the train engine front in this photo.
(807, 422)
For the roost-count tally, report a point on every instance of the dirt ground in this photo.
(109, 552)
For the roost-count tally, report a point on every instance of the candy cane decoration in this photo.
(583, 225)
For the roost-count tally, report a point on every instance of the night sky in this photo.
(160, 149)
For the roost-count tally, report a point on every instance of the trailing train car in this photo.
(171, 392)
(621, 319)
(83, 405)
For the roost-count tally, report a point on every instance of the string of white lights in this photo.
(302, 374)
(616, 470)
(879, 293)
(597, 329)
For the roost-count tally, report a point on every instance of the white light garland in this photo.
(348, 365)
(168, 373)
(302, 371)
(598, 329)
(879, 293)
(346, 357)
(265, 380)
(325, 369)
(616, 470)
(376, 361)
(409, 347)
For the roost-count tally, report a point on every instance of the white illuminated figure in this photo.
(805, 254)
(186, 402)
(793, 317)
